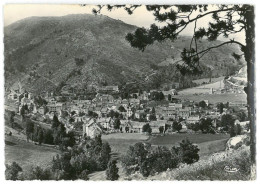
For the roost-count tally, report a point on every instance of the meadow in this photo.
(214, 98)
(208, 143)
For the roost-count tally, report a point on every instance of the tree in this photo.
(190, 152)
(206, 125)
(147, 128)
(121, 109)
(11, 120)
(127, 129)
(37, 173)
(226, 20)
(176, 126)
(117, 124)
(202, 104)
(194, 126)
(161, 129)
(104, 155)
(11, 171)
(227, 121)
(29, 129)
(169, 97)
(112, 171)
(220, 107)
(48, 137)
(40, 136)
(55, 122)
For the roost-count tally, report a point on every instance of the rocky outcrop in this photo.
(237, 141)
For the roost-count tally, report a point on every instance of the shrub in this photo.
(189, 152)
(112, 171)
(11, 171)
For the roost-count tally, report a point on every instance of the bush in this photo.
(149, 161)
(189, 152)
(11, 171)
(147, 128)
(112, 171)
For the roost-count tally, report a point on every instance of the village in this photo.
(108, 113)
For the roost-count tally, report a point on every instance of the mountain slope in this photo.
(45, 52)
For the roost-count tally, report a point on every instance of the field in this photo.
(26, 154)
(202, 89)
(214, 98)
(207, 143)
(200, 81)
(120, 142)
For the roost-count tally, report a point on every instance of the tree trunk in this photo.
(250, 89)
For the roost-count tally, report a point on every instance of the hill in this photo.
(44, 53)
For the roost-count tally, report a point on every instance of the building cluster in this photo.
(99, 115)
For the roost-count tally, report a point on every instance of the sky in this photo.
(140, 18)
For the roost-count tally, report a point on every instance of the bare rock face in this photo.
(237, 141)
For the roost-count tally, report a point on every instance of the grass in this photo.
(200, 81)
(210, 168)
(176, 138)
(27, 154)
(214, 170)
(214, 98)
(208, 143)
(120, 142)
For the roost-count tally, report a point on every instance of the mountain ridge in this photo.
(45, 51)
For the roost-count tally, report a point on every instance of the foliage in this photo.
(176, 126)
(202, 104)
(37, 173)
(157, 96)
(112, 171)
(227, 123)
(148, 160)
(189, 152)
(117, 123)
(194, 126)
(12, 170)
(220, 107)
(147, 128)
(226, 20)
(29, 128)
(161, 129)
(206, 125)
(121, 109)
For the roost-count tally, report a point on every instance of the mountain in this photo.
(44, 53)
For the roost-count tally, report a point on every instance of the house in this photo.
(26, 101)
(106, 123)
(177, 106)
(138, 113)
(125, 103)
(129, 112)
(60, 106)
(134, 101)
(169, 112)
(156, 124)
(92, 129)
(107, 89)
(171, 92)
(132, 126)
(144, 96)
(192, 119)
(184, 113)
(104, 111)
(13, 96)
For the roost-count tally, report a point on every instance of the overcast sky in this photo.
(141, 17)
